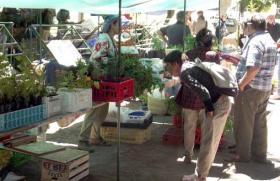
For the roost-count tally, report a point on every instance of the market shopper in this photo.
(200, 23)
(212, 84)
(193, 112)
(104, 51)
(274, 30)
(254, 75)
(221, 28)
(173, 34)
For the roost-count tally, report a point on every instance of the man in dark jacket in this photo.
(174, 34)
(210, 83)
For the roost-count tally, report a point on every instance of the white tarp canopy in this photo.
(111, 6)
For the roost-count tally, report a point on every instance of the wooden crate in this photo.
(128, 135)
(71, 164)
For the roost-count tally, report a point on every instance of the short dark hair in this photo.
(173, 57)
(180, 16)
(204, 38)
(258, 22)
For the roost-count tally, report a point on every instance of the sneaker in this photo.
(13, 177)
(100, 142)
(84, 145)
(193, 177)
(188, 159)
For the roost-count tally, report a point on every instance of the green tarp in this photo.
(111, 6)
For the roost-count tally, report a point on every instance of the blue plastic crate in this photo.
(22, 117)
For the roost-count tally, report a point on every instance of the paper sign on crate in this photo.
(75, 100)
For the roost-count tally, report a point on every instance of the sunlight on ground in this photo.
(160, 123)
(63, 144)
(54, 127)
(182, 159)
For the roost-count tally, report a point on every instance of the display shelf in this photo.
(49, 120)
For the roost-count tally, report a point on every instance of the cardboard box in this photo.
(128, 135)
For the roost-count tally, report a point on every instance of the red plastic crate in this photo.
(113, 91)
(173, 136)
(177, 121)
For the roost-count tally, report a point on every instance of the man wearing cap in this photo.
(173, 34)
(103, 52)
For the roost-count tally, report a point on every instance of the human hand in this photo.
(210, 114)
(184, 57)
(96, 84)
(241, 87)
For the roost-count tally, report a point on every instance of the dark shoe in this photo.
(100, 142)
(232, 151)
(231, 146)
(188, 159)
(84, 145)
(236, 158)
(264, 161)
(193, 177)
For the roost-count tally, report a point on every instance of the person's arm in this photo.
(248, 77)
(253, 64)
(162, 34)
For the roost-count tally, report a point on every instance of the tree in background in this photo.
(257, 5)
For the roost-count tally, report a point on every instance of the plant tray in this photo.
(23, 117)
(113, 91)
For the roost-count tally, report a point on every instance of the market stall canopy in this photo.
(111, 6)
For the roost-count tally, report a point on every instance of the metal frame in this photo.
(71, 33)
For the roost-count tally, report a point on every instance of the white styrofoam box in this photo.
(54, 105)
(75, 100)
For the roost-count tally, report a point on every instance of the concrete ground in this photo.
(153, 161)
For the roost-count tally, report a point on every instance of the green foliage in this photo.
(75, 77)
(257, 5)
(157, 43)
(173, 108)
(142, 75)
(25, 83)
(189, 43)
(229, 126)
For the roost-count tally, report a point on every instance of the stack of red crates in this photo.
(175, 135)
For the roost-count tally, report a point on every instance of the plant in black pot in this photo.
(31, 86)
(7, 88)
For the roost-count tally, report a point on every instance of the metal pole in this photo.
(219, 33)
(118, 104)
(41, 33)
(184, 34)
